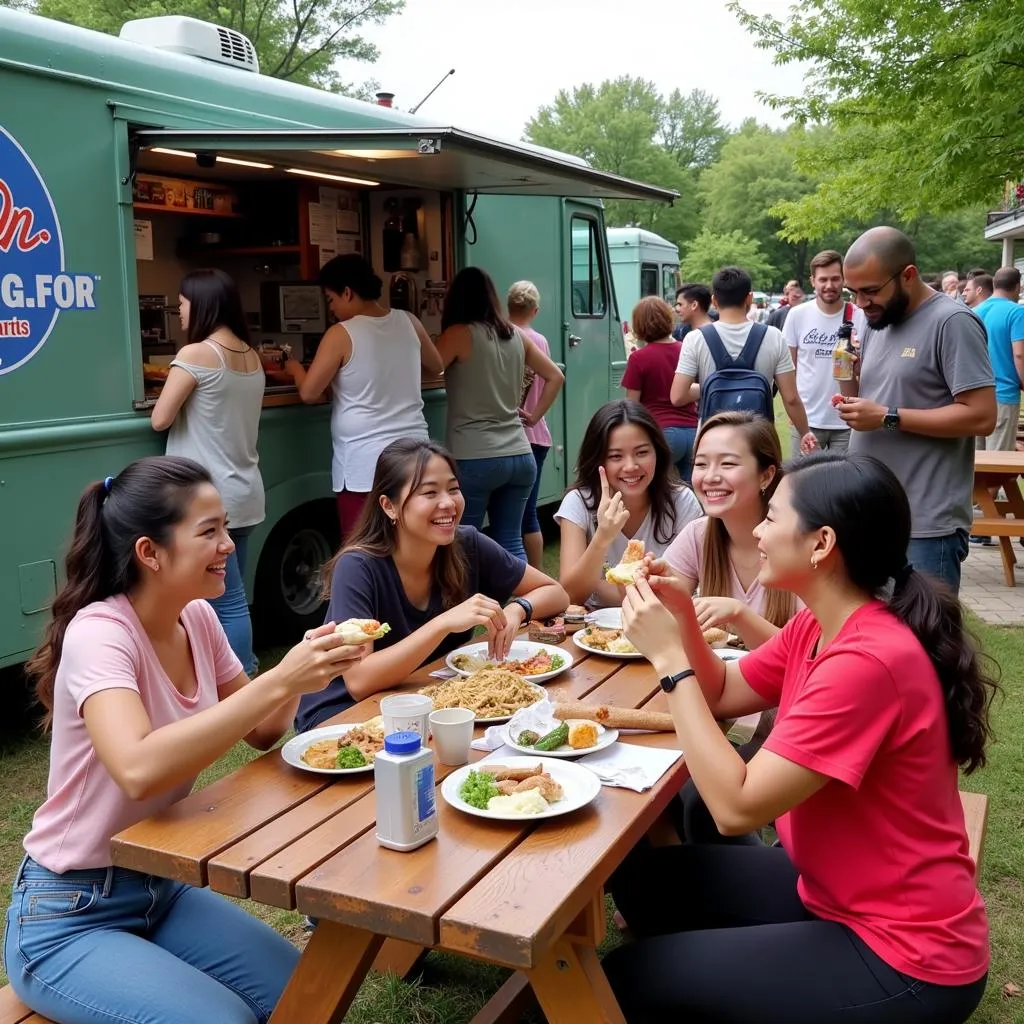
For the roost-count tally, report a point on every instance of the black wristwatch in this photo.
(525, 605)
(891, 420)
(668, 683)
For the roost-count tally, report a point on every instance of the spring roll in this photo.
(617, 718)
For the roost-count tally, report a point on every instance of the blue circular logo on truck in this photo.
(35, 287)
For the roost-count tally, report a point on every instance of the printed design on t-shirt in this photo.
(819, 344)
(909, 353)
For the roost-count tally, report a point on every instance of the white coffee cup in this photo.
(406, 712)
(452, 729)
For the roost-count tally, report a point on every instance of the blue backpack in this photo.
(735, 385)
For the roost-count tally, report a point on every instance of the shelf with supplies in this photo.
(240, 250)
(186, 210)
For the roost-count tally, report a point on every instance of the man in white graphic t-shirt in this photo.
(810, 331)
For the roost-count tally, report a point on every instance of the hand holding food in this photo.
(321, 656)
(631, 563)
(477, 610)
(717, 612)
(650, 625)
(612, 514)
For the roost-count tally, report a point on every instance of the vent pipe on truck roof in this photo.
(193, 38)
(385, 99)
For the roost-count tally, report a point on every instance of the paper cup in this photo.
(406, 712)
(452, 729)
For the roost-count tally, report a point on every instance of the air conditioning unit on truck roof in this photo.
(195, 38)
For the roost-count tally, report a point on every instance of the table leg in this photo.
(509, 1003)
(398, 957)
(328, 975)
(571, 986)
(984, 485)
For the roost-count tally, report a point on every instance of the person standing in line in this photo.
(485, 358)
(810, 332)
(648, 380)
(977, 290)
(1003, 318)
(211, 406)
(792, 295)
(731, 290)
(693, 305)
(922, 391)
(372, 361)
(951, 284)
(523, 306)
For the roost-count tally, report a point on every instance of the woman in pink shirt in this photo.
(143, 692)
(869, 909)
(523, 306)
(737, 466)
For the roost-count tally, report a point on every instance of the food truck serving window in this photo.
(428, 158)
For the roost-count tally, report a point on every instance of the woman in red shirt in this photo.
(648, 379)
(869, 911)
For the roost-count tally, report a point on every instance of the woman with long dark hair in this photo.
(626, 487)
(485, 358)
(143, 692)
(211, 404)
(411, 564)
(869, 910)
(372, 360)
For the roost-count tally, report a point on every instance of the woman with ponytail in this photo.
(142, 691)
(869, 909)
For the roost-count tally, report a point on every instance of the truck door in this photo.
(593, 364)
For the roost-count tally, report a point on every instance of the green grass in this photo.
(450, 990)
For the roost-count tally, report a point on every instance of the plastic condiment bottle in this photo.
(403, 775)
(842, 355)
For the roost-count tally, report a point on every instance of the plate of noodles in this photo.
(337, 749)
(535, 662)
(494, 694)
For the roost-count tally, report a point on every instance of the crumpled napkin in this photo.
(629, 765)
(539, 717)
(443, 673)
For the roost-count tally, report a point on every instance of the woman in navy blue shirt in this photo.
(410, 564)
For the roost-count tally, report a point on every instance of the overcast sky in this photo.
(510, 58)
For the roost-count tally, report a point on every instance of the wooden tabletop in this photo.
(998, 462)
(295, 840)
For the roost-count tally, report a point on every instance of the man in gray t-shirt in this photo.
(924, 391)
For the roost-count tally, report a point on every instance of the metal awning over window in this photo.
(426, 158)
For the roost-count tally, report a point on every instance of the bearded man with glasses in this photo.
(922, 391)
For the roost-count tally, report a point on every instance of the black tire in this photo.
(288, 577)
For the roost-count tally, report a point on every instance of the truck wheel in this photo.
(288, 577)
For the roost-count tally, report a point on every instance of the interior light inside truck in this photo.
(220, 159)
(329, 177)
(373, 154)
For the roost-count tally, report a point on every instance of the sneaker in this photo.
(983, 541)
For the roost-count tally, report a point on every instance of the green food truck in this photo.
(643, 264)
(126, 162)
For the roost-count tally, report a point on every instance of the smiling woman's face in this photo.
(630, 460)
(785, 548)
(434, 509)
(726, 476)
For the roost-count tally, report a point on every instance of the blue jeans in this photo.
(498, 488)
(232, 607)
(112, 946)
(940, 556)
(680, 440)
(531, 524)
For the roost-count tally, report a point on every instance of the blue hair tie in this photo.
(107, 484)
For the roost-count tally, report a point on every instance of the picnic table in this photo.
(528, 895)
(1001, 519)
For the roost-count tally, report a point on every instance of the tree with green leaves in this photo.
(708, 252)
(626, 127)
(298, 40)
(923, 99)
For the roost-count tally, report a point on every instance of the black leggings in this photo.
(722, 936)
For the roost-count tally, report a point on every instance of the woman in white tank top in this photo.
(371, 360)
(211, 404)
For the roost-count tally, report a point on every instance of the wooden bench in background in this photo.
(975, 805)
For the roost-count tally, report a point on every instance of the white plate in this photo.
(580, 784)
(293, 750)
(519, 651)
(605, 738)
(539, 690)
(729, 653)
(606, 618)
(578, 640)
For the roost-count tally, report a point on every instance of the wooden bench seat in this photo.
(14, 1011)
(997, 527)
